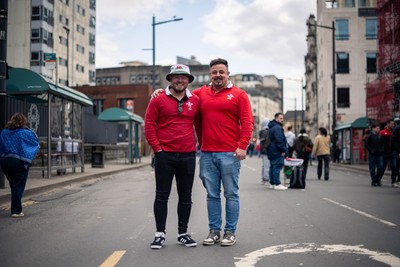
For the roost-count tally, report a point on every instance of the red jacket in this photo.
(226, 119)
(167, 129)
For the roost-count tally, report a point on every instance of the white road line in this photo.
(251, 259)
(361, 212)
(113, 259)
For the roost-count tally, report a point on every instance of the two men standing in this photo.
(224, 127)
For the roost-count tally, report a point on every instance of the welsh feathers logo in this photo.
(189, 105)
(229, 97)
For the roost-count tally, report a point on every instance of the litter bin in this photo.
(97, 156)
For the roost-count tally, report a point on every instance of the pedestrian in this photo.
(265, 165)
(290, 136)
(18, 147)
(303, 147)
(224, 133)
(169, 130)
(321, 150)
(395, 141)
(389, 154)
(374, 146)
(277, 151)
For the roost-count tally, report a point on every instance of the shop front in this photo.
(350, 141)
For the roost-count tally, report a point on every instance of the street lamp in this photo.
(333, 78)
(302, 99)
(154, 24)
(67, 30)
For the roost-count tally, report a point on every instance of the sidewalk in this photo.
(37, 185)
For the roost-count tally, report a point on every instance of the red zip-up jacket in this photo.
(226, 119)
(167, 129)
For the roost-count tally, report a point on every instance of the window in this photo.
(65, 1)
(35, 58)
(98, 106)
(80, 68)
(371, 30)
(62, 62)
(350, 3)
(80, 48)
(92, 76)
(342, 63)
(80, 10)
(63, 20)
(371, 62)
(80, 29)
(367, 3)
(91, 58)
(343, 97)
(342, 29)
(92, 22)
(35, 13)
(92, 39)
(35, 36)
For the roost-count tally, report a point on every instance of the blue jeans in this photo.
(182, 166)
(275, 170)
(323, 159)
(217, 168)
(392, 159)
(16, 172)
(375, 167)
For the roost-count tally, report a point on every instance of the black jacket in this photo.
(374, 144)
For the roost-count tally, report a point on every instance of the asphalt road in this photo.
(109, 222)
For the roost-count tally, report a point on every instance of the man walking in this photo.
(374, 146)
(169, 130)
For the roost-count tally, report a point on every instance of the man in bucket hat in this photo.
(169, 130)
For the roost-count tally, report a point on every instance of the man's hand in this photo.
(156, 93)
(240, 154)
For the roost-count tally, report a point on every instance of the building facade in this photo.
(64, 29)
(351, 56)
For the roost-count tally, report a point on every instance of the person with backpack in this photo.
(303, 147)
(265, 141)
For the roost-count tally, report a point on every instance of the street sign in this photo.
(50, 60)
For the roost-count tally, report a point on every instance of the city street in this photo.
(109, 222)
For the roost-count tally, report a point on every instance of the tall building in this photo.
(65, 29)
(355, 55)
(383, 94)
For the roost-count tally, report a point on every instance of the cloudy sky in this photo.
(265, 37)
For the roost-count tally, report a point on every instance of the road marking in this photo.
(361, 212)
(251, 259)
(113, 259)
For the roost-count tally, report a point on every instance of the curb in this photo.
(30, 192)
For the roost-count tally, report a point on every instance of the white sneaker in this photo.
(271, 186)
(280, 187)
(396, 185)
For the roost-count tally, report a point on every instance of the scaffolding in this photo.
(383, 94)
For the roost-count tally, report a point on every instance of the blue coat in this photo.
(20, 143)
(278, 141)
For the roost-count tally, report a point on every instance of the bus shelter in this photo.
(55, 113)
(350, 140)
(120, 115)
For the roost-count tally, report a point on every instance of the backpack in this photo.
(265, 140)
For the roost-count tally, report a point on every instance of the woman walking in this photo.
(303, 147)
(18, 147)
(321, 149)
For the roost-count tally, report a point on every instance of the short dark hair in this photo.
(374, 124)
(278, 114)
(218, 61)
(323, 131)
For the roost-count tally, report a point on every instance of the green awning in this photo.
(119, 115)
(27, 82)
(360, 123)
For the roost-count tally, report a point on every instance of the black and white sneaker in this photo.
(186, 239)
(159, 240)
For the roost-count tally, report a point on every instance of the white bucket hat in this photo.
(180, 69)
